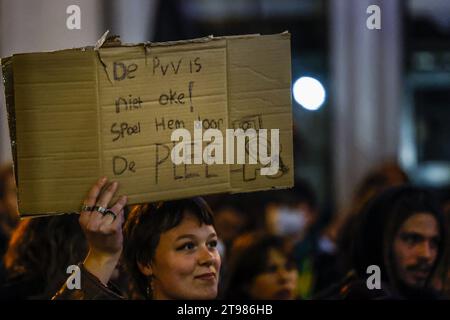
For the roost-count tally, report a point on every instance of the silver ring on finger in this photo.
(86, 208)
(111, 213)
(100, 209)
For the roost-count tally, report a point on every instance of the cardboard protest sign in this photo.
(78, 114)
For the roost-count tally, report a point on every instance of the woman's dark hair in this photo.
(143, 229)
(380, 221)
(41, 249)
(249, 262)
(378, 179)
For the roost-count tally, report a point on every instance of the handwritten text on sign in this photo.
(152, 96)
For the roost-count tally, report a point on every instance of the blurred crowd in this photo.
(273, 244)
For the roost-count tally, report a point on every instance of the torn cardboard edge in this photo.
(111, 41)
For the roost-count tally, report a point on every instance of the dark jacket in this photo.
(91, 289)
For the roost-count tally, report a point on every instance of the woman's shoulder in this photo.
(90, 289)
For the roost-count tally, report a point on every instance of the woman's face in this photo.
(186, 264)
(278, 281)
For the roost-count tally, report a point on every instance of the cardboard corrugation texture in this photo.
(79, 114)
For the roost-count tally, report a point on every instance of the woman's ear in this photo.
(145, 268)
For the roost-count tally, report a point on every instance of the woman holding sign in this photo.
(169, 249)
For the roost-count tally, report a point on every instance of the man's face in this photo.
(416, 249)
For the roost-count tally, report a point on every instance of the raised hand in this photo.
(102, 226)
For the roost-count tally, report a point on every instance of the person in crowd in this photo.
(294, 215)
(169, 249)
(339, 234)
(40, 251)
(8, 206)
(402, 232)
(262, 269)
(230, 221)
